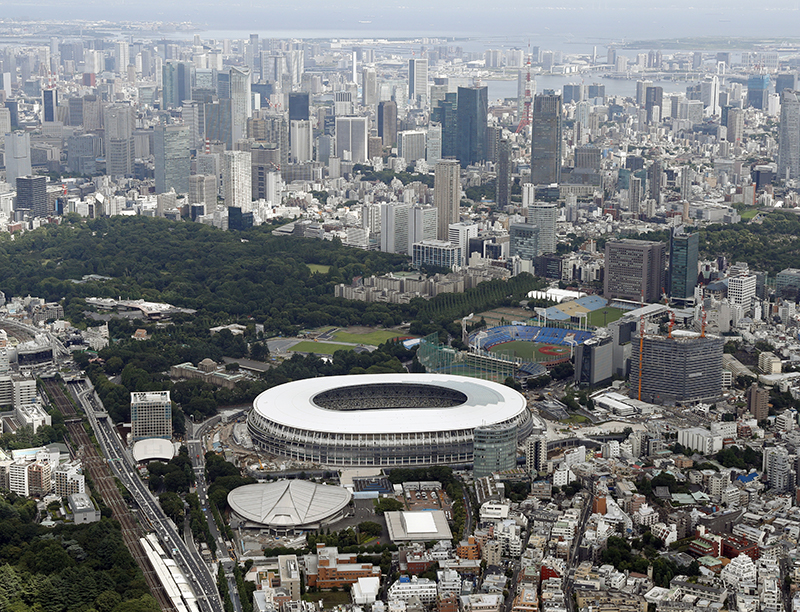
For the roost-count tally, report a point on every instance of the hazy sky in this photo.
(595, 19)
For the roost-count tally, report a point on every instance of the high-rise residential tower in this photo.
(446, 195)
(237, 180)
(789, 136)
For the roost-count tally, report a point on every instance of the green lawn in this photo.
(600, 318)
(318, 268)
(749, 214)
(318, 348)
(379, 336)
(329, 598)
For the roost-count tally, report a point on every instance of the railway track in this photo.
(106, 485)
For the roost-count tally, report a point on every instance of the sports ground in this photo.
(533, 351)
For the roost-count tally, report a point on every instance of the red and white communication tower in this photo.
(525, 120)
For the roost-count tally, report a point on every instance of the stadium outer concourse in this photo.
(382, 419)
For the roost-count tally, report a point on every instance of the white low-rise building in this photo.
(406, 588)
(666, 533)
(740, 575)
(366, 590)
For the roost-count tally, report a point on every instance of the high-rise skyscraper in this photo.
(634, 270)
(472, 113)
(654, 175)
(789, 136)
(411, 145)
(709, 94)
(203, 190)
(546, 140)
(218, 122)
(369, 86)
(503, 172)
(122, 57)
(172, 158)
(785, 80)
(446, 195)
(176, 84)
(446, 115)
(544, 216)
(433, 145)
(524, 241)
(241, 101)
(302, 148)
(119, 123)
(387, 122)
(299, 106)
(237, 180)
(32, 195)
(151, 415)
(735, 125)
(50, 105)
(635, 195)
(758, 91)
(683, 256)
(395, 227)
(5, 120)
(351, 137)
(17, 156)
(418, 80)
(654, 96)
(423, 225)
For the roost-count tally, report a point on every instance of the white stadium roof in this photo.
(292, 405)
(151, 449)
(288, 503)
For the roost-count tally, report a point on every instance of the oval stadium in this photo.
(382, 419)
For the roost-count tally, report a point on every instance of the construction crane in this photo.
(671, 323)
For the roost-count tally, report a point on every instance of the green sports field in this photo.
(319, 348)
(534, 351)
(374, 337)
(604, 316)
